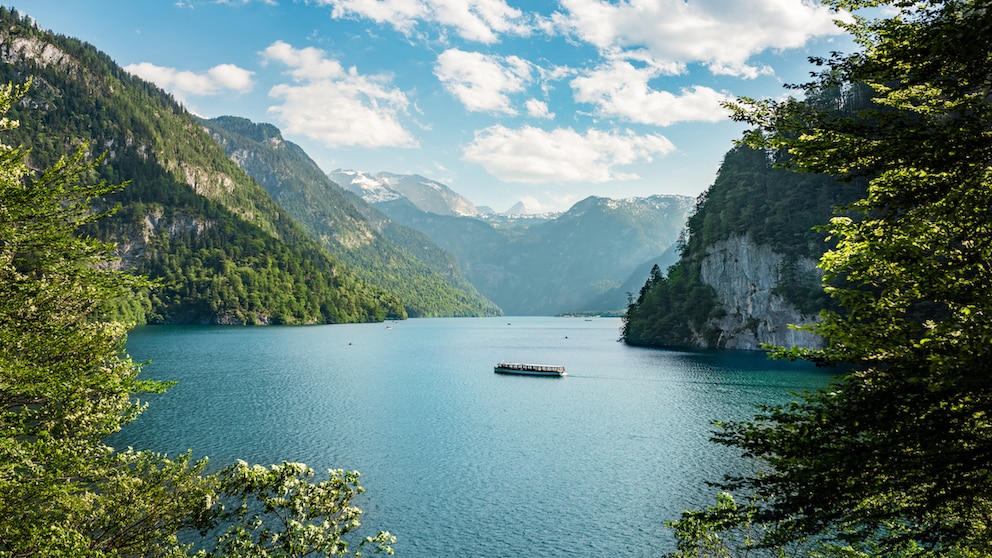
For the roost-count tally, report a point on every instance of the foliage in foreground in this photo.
(66, 384)
(895, 458)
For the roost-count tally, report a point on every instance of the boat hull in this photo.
(522, 369)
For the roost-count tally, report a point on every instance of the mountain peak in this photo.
(369, 187)
(428, 195)
(261, 132)
(519, 208)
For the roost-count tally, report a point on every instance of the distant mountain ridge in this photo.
(581, 260)
(428, 195)
(519, 208)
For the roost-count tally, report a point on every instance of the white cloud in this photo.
(532, 155)
(335, 106)
(401, 14)
(243, 2)
(618, 89)
(475, 20)
(538, 109)
(306, 64)
(479, 20)
(481, 82)
(182, 84)
(740, 69)
(721, 34)
(229, 76)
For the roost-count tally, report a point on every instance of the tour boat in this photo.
(530, 369)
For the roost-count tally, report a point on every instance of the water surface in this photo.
(456, 460)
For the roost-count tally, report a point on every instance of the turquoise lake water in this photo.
(457, 460)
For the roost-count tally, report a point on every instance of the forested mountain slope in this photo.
(748, 267)
(191, 218)
(399, 259)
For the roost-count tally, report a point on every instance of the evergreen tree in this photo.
(66, 384)
(894, 458)
(752, 198)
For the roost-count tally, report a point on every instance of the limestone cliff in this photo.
(747, 260)
(744, 276)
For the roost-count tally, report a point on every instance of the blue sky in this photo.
(502, 100)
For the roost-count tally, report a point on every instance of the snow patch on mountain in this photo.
(428, 195)
(369, 187)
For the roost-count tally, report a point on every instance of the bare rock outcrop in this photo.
(744, 276)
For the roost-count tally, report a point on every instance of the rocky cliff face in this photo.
(744, 276)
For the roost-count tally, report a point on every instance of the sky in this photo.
(545, 102)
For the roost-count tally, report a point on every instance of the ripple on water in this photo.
(456, 460)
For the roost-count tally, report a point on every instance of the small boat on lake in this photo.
(524, 369)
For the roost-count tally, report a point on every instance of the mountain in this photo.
(222, 249)
(619, 296)
(396, 258)
(748, 267)
(521, 209)
(516, 209)
(426, 194)
(576, 261)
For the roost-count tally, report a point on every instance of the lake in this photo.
(457, 460)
